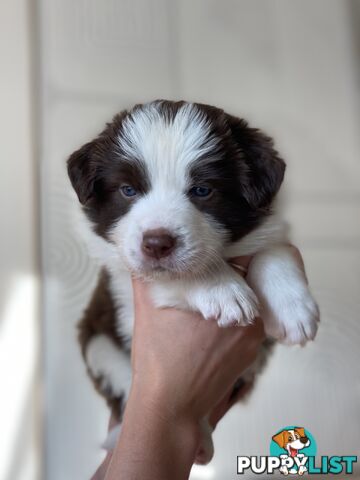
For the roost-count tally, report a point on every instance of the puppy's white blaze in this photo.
(166, 146)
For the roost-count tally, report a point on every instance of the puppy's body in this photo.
(171, 191)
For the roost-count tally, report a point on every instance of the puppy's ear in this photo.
(281, 438)
(265, 168)
(300, 431)
(82, 171)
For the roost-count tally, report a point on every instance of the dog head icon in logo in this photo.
(292, 440)
(289, 445)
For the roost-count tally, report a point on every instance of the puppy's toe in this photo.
(239, 307)
(231, 314)
(297, 321)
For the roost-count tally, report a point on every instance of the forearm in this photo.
(153, 446)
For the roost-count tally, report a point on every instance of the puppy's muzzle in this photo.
(158, 243)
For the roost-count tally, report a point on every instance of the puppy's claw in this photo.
(231, 304)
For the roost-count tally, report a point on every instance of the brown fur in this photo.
(282, 438)
(99, 318)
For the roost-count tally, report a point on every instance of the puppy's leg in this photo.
(224, 296)
(289, 312)
(111, 440)
(110, 368)
(109, 365)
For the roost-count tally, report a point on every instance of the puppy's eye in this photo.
(128, 191)
(201, 191)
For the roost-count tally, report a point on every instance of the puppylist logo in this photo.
(292, 452)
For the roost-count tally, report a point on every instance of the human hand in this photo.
(157, 333)
(184, 364)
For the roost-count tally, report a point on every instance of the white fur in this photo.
(224, 297)
(272, 232)
(108, 362)
(289, 312)
(112, 438)
(167, 148)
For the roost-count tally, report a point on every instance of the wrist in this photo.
(152, 442)
(166, 398)
(156, 407)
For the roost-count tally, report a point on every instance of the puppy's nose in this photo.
(157, 243)
(304, 440)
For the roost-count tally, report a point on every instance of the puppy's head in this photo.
(292, 440)
(170, 184)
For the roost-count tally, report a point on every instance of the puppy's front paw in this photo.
(302, 470)
(229, 302)
(284, 470)
(295, 320)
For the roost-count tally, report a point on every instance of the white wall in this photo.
(19, 296)
(289, 67)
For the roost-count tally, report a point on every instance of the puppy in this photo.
(292, 441)
(170, 192)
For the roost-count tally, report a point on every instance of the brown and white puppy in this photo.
(170, 191)
(292, 441)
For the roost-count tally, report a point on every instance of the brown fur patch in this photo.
(100, 318)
